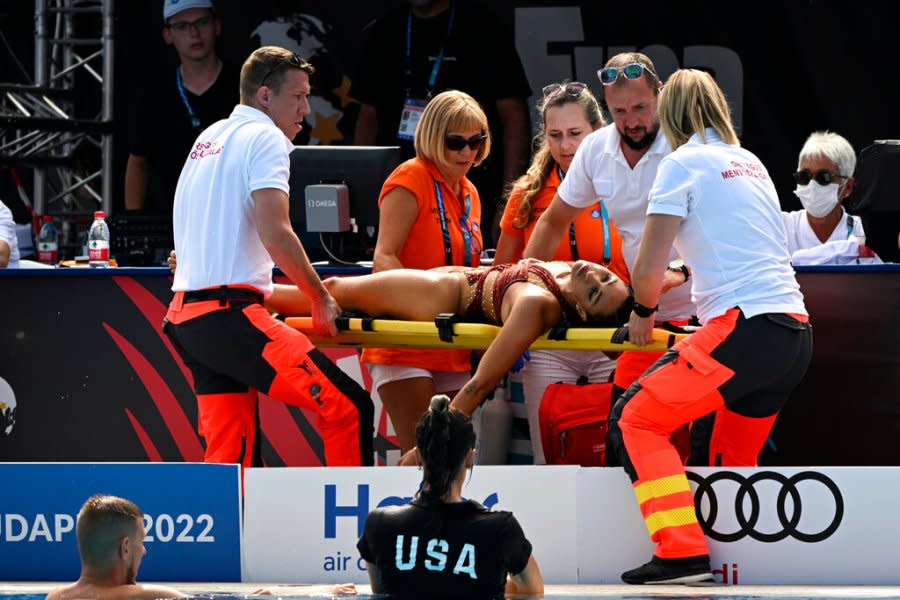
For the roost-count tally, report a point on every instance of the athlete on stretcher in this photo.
(526, 298)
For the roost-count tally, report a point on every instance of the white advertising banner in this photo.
(785, 525)
(302, 524)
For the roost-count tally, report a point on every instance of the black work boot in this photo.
(671, 570)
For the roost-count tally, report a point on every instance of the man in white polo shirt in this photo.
(9, 246)
(231, 226)
(618, 163)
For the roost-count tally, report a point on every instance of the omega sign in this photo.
(747, 513)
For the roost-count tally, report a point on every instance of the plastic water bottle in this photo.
(98, 241)
(48, 243)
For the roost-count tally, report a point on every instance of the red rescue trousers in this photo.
(629, 366)
(740, 369)
(234, 347)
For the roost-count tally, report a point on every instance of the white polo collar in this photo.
(712, 137)
(253, 114)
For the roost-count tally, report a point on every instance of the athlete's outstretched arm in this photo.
(532, 313)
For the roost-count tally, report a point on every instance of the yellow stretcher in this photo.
(446, 333)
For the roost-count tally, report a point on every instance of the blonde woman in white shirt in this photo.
(715, 202)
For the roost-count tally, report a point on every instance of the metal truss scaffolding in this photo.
(61, 126)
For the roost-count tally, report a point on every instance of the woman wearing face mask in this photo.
(440, 545)
(429, 217)
(569, 112)
(823, 232)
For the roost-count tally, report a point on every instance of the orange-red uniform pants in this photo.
(234, 347)
(740, 369)
(629, 366)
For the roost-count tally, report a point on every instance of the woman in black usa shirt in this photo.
(439, 545)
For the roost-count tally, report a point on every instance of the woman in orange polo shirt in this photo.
(569, 113)
(430, 216)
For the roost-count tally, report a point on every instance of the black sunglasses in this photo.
(458, 142)
(572, 89)
(610, 75)
(822, 176)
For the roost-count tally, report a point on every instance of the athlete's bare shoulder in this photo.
(79, 590)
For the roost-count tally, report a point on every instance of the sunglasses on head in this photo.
(458, 142)
(572, 89)
(610, 75)
(822, 177)
(294, 61)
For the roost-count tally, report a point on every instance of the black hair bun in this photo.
(439, 403)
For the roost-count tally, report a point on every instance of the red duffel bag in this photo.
(573, 418)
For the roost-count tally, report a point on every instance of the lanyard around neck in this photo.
(432, 79)
(445, 229)
(604, 216)
(195, 122)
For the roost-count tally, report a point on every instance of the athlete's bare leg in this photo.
(405, 294)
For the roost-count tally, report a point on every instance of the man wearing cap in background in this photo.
(177, 104)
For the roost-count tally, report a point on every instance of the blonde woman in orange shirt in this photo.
(430, 217)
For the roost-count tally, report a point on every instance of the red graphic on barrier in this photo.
(289, 434)
(292, 438)
(169, 408)
(152, 453)
(154, 311)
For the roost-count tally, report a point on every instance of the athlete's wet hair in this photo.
(617, 318)
(623, 313)
(444, 437)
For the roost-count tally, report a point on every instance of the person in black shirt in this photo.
(176, 105)
(439, 545)
(415, 52)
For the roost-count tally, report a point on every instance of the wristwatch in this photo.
(644, 311)
(678, 265)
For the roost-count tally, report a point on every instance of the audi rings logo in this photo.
(747, 489)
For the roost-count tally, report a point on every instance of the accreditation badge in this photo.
(410, 117)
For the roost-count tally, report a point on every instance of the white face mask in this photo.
(817, 199)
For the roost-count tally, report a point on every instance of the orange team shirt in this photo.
(588, 229)
(424, 249)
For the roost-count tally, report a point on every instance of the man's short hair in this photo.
(102, 523)
(267, 66)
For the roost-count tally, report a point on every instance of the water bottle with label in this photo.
(98, 241)
(48, 243)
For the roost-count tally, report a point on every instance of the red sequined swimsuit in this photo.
(507, 275)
